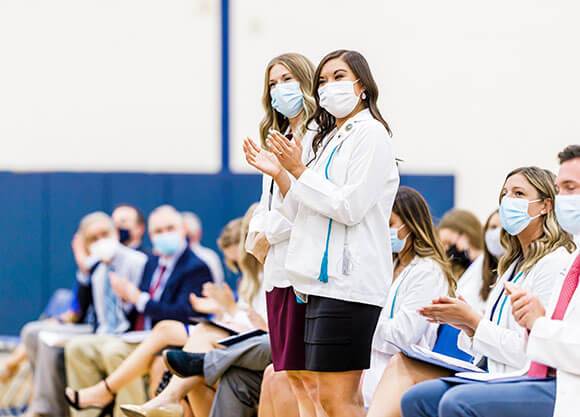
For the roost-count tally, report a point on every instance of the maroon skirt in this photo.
(286, 318)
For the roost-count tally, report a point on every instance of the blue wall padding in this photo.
(39, 213)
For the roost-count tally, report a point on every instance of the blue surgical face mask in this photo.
(568, 212)
(167, 243)
(397, 244)
(287, 99)
(513, 213)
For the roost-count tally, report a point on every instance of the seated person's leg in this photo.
(84, 365)
(520, 399)
(11, 364)
(237, 394)
(400, 374)
(202, 338)
(137, 364)
(422, 400)
(49, 382)
(114, 353)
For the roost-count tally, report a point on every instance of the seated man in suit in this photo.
(167, 281)
(130, 223)
(97, 250)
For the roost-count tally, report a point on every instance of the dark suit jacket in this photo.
(188, 276)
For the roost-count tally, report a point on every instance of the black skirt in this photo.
(339, 334)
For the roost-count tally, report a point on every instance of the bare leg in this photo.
(201, 339)
(303, 384)
(136, 365)
(400, 374)
(276, 397)
(266, 407)
(200, 397)
(339, 393)
(12, 363)
(155, 374)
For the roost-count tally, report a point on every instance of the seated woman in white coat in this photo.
(554, 338)
(403, 372)
(538, 251)
(422, 272)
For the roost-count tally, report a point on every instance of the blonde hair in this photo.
(230, 236)
(235, 233)
(303, 71)
(251, 268)
(414, 212)
(552, 238)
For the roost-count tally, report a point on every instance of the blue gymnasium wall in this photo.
(40, 213)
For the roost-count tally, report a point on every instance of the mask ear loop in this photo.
(539, 214)
(408, 234)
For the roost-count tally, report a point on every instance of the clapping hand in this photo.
(80, 252)
(526, 307)
(223, 295)
(205, 305)
(288, 153)
(261, 159)
(453, 311)
(124, 289)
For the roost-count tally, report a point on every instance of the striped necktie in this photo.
(568, 288)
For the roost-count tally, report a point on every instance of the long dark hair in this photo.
(360, 67)
(414, 212)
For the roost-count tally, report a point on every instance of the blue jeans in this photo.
(438, 398)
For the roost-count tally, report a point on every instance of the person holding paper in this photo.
(247, 313)
(162, 294)
(537, 253)
(422, 272)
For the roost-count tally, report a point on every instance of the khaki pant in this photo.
(89, 359)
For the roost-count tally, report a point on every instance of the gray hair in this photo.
(166, 208)
(91, 218)
(192, 222)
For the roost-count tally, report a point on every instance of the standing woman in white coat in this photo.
(339, 257)
(422, 272)
(538, 251)
(288, 104)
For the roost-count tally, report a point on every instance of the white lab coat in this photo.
(358, 196)
(505, 344)
(416, 286)
(556, 343)
(469, 285)
(268, 219)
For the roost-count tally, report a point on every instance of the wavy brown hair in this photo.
(490, 263)
(325, 121)
(465, 223)
(303, 70)
(552, 238)
(414, 212)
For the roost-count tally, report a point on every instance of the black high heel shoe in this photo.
(105, 411)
